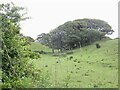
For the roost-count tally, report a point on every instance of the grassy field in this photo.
(87, 67)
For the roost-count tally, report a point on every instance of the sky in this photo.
(46, 15)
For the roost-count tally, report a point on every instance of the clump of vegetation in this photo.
(75, 60)
(78, 61)
(86, 74)
(98, 45)
(15, 52)
(58, 61)
(46, 65)
(95, 86)
(75, 34)
(71, 57)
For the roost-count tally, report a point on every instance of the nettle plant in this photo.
(15, 54)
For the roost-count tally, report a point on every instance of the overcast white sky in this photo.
(48, 14)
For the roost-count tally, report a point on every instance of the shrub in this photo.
(15, 53)
(71, 57)
(75, 60)
(97, 45)
(78, 61)
(46, 65)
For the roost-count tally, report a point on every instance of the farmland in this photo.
(85, 67)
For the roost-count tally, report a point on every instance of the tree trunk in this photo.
(53, 50)
(79, 45)
(60, 49)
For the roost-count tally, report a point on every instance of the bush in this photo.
(78, 61)
(75, 60)
(15, 53)
(71, 57)
(97, 45)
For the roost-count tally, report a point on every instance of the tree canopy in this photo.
(76, 33)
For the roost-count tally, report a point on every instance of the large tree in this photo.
(78, 33)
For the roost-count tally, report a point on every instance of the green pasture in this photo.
(86, 67)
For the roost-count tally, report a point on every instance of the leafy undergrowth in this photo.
(86, 67)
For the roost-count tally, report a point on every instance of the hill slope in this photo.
(89, 67)
(36, 46)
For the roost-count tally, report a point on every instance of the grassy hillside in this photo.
(35, 46)
(86, 67)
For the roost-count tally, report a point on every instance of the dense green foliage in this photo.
(74, 34)
(27, 39)
(15, 53)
